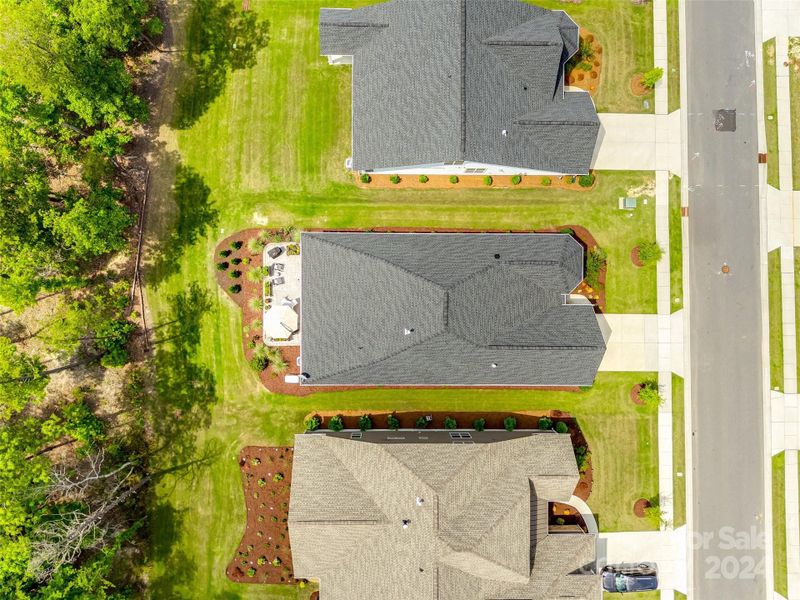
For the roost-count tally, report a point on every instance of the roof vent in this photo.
(408, 331)
(494, 365)
(420, 501)
(406, 523)
(497, 256)
(504, 132)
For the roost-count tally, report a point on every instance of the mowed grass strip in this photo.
(779, 523)
(771, 112)
(673, 56)
(794, 107)
(678, 452)
(675, 245)
(625, 30)
(775, 320)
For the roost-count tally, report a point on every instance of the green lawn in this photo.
(264, 144)
(775, 320)
(794, 105)
(626, 32)
(779, 522)
(678, 453)
(633, 596)
(673, 56)
(675, 244)
(797, 303)
(771, 113)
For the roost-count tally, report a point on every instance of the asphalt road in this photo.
(728, 444)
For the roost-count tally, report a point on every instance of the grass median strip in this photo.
(794, 107)
(678, 453)
(779, 523)
(673, 56)
(775, 320)
(771, 113)
(675, 245)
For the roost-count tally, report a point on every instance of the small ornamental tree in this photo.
(516, 180)
(510, 423)
(423, 179)
(336, 423)
(251, 572)
(312, 423)
(595, 262)
(453, 179)
(651, 77)
(487, 180)
(650, 252)
(365, 178)
(582, 456)
(450, 423)
(222, 266)
(650, 395)
(364, 422)
(395, 179)
(393, 422)
(561, 427)
(421, 423)
(237, 244)
(277, 477)
(545, 423)
(479, 424)
(546, 181)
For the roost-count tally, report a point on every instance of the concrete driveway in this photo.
(638, 142)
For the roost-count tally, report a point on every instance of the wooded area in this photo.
(73, 456)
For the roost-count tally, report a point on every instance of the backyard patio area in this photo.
(282, 289)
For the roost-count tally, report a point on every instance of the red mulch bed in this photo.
(637, 85)
(637, 262)
(640, 506)
(266, 534)
(252, 320)
(494, 420)
(635, 395)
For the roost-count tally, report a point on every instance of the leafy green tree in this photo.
(393, 422)
(22, 379)
(509, 423)
(651, 77)
(336, 423)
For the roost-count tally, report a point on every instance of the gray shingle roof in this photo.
(480, 533)
(442, 309)
(440, 80)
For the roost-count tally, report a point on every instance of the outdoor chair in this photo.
(278, 266)
(275, 252)
(278, 281)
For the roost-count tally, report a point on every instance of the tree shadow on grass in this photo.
(195, 215)
(220, 38)
(185, 390)
(166, 523)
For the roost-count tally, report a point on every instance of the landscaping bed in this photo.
(580, 183)
(466, 420)
(264, 554)
(583, 69)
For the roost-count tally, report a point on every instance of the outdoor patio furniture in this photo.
(278, 281)
(278, 266)
(275, 252)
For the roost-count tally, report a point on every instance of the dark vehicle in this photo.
(630, 578)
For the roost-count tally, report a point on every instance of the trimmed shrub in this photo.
(251, 572)
(276, 360)
(225, 253)
(235, 274)
(567, 231)
(395, 179)
(561, 427)
(237, 244)
(571, 179)
(257, 274)
(246, 260)
(516, 180)
(235, 289)
(236, 261)
(256, 244)
(336, 423)
(312, 423)
(546, 181)
(650, 252)
(293, 249)
(595, 261)
(582, 456)
(255, 461)
(276, 562)
(423, 179)
(365, 178)
(453, 179)
(256, 303)
(262, 482)
(586, 180)
(651, 77)
(545, 423)
(277, 477)
(364, 422)
(450, 423)
(259, 361)
(510, 423)
(262, 560)
(650, 395)
(487, 180)
(222, 266)
(393, 422)
(479, 424)
(421, 423)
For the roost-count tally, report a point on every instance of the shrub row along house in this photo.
(462, 86)
(412, 515)
(446, 309)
